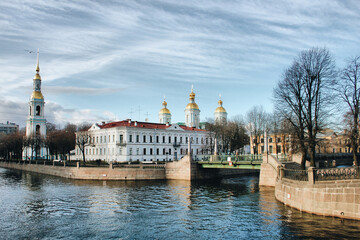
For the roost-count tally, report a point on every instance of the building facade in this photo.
(36, 122)
(8, 128)
(142, 141)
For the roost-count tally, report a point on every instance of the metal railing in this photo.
(336, 173)
(294, 174)
(233, 158)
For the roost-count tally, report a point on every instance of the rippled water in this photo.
(34, 206)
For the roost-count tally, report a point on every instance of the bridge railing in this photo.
(226, 158)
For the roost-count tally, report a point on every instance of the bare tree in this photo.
(303, 96)
(256, 121)
(348, 89)
(83, 138)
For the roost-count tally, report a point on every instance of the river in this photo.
(35, 206)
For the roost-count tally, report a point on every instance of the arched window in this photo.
(37, 110)
(37, 129)
(30, 110)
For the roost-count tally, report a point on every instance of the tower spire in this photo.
(37, 62)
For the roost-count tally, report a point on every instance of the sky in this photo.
(113, 60)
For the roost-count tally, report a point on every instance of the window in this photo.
(100, 151)
(169, 139)
(100, 139)
(37, 110)
(278, 140)
(151, 139)
(130, 138)
(157, 151)
(180, 139)
(202, 141)
(109, 139)
(137, 138)
(270, 149)
(104, 139)
(113, 138)
(186, 140)
(120, 151)
(144, 139)
(262, 149)
(37, 130)
(151, 151)
(163, 151)
(181, 151)
(144, 151)
(157, 139)
(270, 139)
(169, 151)
(122, 138)
(163, 139)
(130, 151)
(278, 148)
(97, 151)
(262, 140)
(175, 139)
(137, 151)
(197, 140)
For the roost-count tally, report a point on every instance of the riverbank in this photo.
(184, 169)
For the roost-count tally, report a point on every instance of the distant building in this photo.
(142, 141)
(8, 128)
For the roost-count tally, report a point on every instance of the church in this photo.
(130, 140)
(126, 140)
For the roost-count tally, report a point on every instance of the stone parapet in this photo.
(328, 198)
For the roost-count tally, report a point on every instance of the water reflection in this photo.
(36, 206)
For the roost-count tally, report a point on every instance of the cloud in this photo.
(81, 90)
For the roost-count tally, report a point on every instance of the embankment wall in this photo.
(328, 198)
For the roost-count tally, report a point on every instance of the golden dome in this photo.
(37, 95)
(220, 109)
(37, 76)
(164, 110)
(192, 106)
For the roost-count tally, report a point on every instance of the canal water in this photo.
(34, 206)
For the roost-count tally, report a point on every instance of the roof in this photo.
(129, 123)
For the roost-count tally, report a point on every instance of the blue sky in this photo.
(101, 60)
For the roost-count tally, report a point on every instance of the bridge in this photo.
(231, 161)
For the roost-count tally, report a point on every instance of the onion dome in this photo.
(192, 104)
(220, 108)
(164, 109)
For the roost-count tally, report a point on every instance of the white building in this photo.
(220, 114)
(8, 128)
(143, 141)
(36, 122)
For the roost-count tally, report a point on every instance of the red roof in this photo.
(129, 123)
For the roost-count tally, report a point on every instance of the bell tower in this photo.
(36, 122)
